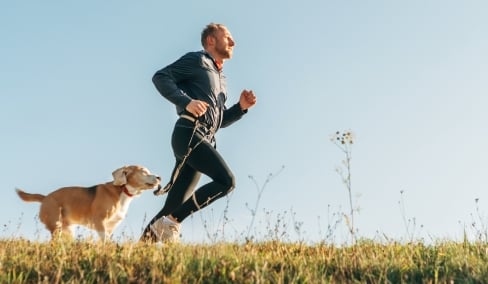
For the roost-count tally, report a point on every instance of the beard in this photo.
(223, 52)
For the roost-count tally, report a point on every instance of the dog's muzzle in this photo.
(162, 190)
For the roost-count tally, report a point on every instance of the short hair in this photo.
(210, 29)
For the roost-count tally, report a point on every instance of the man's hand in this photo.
(247, 99)
(197, 108)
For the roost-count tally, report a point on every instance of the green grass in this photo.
(23, 261)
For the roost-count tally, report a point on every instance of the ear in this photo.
(119, 176)
(210, 40)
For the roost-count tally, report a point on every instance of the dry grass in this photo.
(25, 261)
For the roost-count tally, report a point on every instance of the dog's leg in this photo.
(60, 229)
(99, 227)
(51, 215)
(61, 233)
(102, 236)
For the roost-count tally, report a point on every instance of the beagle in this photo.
(101, 207)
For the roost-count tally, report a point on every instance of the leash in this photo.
(176, 173)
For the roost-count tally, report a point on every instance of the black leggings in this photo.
(182, 200)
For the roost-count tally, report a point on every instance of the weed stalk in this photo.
(344, 141)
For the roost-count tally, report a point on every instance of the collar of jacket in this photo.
(218, 65)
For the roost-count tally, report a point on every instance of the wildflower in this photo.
(343, 138)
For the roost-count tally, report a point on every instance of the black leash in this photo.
(167, 188)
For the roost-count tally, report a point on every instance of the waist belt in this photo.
(206, 131)
(188, 117)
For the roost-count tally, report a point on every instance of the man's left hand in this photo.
(247, 99)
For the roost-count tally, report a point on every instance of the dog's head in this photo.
(135, 178)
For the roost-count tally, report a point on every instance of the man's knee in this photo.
(229, 183)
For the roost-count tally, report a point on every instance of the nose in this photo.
(158, 178)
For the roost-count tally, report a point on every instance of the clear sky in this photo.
(409, 78)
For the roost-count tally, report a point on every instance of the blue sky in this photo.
(407, 77)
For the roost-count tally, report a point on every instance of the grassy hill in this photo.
(23, 261)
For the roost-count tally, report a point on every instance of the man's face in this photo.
(224, 43)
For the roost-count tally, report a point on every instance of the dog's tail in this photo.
(29, 197)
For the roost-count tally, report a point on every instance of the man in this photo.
(196, 85)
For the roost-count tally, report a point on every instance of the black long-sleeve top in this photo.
(196, 76)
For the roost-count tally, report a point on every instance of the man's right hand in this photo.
(197, 107)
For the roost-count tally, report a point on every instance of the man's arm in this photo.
(166, 80)
(246, 101)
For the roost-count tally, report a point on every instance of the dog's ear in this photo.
(120, 176)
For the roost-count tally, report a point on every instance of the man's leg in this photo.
(181, 190)
(207, 160)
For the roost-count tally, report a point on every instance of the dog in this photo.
(101, 207)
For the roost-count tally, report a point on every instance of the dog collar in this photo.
(124, 190)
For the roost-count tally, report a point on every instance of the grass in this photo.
(23, 261)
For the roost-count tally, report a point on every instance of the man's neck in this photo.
(219, 62)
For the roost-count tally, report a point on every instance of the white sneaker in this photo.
(166, 230)
(157, 228)
(171, 231)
